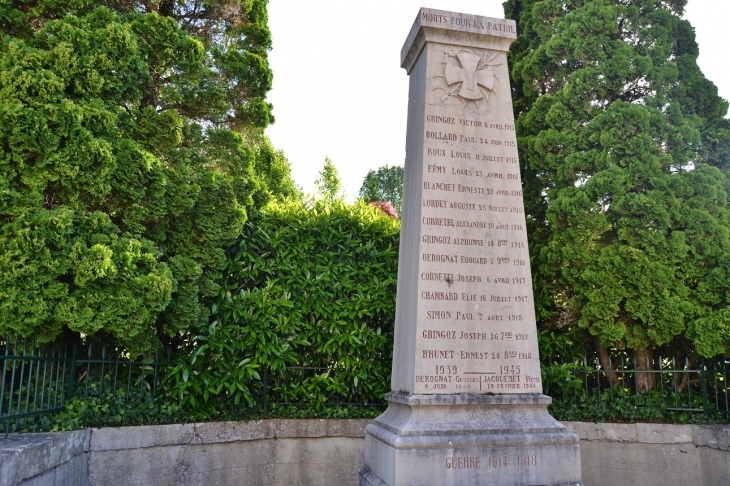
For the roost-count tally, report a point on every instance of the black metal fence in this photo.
(39, 379)
(701, 387)
(35, 380)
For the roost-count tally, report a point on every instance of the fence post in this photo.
(265, 383)
(705, 407)
(72, 374)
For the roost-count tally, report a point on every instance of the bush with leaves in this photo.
(560, 357)
(309, 285)
(131, 151)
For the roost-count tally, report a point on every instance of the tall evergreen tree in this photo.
(131, 150)
(623, 147)
(328, 182)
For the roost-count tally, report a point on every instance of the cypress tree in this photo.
(624, 151)
(131, 151)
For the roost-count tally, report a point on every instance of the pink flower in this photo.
(386, 207)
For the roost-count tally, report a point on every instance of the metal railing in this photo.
(38, 379)
(35, 380)
(699, 388)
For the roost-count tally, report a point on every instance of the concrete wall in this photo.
(639, 454)
(270, 452)
(328, 452)
(58, 459)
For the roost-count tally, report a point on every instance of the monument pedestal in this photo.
(467, 407)
(495, 440)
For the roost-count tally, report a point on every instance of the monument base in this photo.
(445, 440)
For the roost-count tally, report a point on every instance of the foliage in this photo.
(106, 409)
(386, 208)
(645, 407)
(220, 365)
(384, 184)
(560, 357)
(328, 180)
(130, 154)
(273, 173)
(308, 284)
(625, 198)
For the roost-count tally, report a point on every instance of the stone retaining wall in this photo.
(45, 459)
(328, 452)
(269, 452)
(645, 454)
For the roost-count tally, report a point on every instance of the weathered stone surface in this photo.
(494, 416)
(627, 464)
(604, 432)
(70, 473)
(610, 456)
(715, 466)
(367, 478)
(225, 463)
(470, 439)
(330, 461)
(467, 405)
(302, 428)
(347, 427)
(644, 433)
(664, 434)
(216, 432)
(25, 456)
(283, 462)
(115, 438)
(713, 436)
(465, 320)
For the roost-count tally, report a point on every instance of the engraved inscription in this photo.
(462, 462)
(448, 120)
(474, 317)
(492, 462)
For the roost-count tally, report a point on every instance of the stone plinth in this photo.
(467, 406)
(430, 440)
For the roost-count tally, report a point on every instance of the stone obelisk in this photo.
(466, 406)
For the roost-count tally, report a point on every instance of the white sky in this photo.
(339, 89)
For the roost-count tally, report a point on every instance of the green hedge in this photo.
(309, 299)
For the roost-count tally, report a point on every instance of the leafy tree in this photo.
(384, 184)
(328, 180)
(130, 154)
(627, 210)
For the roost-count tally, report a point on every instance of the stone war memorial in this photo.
(466, 406)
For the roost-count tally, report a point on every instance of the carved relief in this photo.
(467, 78)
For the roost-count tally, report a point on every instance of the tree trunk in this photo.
(684, 380)
(644, 381)
(603, 358)
(167, 8)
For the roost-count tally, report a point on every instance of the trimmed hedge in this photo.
(309, 285)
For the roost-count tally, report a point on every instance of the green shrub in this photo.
(309, 285)
(131, 151)
(560, 354)
(97, 408)
(620, 405)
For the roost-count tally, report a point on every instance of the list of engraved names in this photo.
(477, 328)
